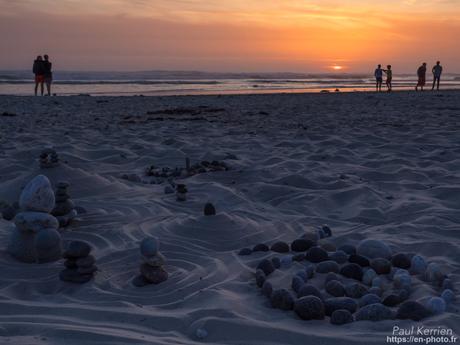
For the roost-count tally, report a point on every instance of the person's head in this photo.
(39, 58)
(379, 66)
(389, 66)
(438, 63)
(46, 57)
(424, 64)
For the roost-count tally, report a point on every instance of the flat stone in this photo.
(373, 249)
(316, 254)
(381, 266)
(331, 276)
(341, 317)
(72, 276)
(63, 207)
(261, 247)
(301, 245)
(87, 270)
(280, 247)
(353, 271)
(282, 299)
(335, 288)
(339, 256)
(348, 249)
(358, 259)
(149, 246)
(412, 310)
(369, 299)
(266, 266)
(157, 260)
(77, 249)
(245, 252)
(87, 261)
(309, 308)
(336, 303)
(328, 266)
(35, 221)
(154, 275)
(374, 312)
(37, 195)
(309, 290)
(401, 260)
(355, 290)
(391, 300)
(140, 281)
(267, 289)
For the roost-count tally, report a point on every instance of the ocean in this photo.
(196, 83)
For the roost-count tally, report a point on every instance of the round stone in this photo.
(72, 276)
(261, 247)
(282, 299)
(381, 266)
(149, 246)
(245, 251)
(297, 283)
(436, 305)
(402, 281)
(373, 249)
(375, 291)
(309, 290)
(328, 266)
(327, 246)
(348, 249)
(316, 254)
(374, 312)
(358, 259)
(401, 260)
(280, 247)
(327, 230)
(447, 284)
(448, 296)
(35, 221)
(433, 273)
(353, 271)
(302, 274)
(335, 288)
(301, 245)
(48, 245)
(412, 310)
(339, 256)
(310, 271)
(368, 276)
(336, 303)
(369, 299)
(331, 276)
(276, 262)
(341, 317)
(87, 270)
(87, 261)
(391, 300)
(267, 289)
(157, 260)
(309, 308)
(286, 261)
(260, 278)
(418, 265)
(378, 283)
(154, 275)
(209, 209)
(266, 266)
(201, 333)
(77, 249)
(37, 195)
(62, 208)
(355, 290)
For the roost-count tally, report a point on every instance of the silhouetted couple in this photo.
(421, 73)
(379, 78)
(43, 74)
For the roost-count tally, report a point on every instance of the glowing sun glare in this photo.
(337, 68)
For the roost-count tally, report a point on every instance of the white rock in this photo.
(418, 265)
(37, 195)
(35, 221)
(149, 246)
(373, 249)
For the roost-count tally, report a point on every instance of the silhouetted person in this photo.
(48, 75)
(39, 71)
(378, 78)
(421, 73)
(389, 74)
(437, 71)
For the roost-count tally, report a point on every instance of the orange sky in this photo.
(237, 35)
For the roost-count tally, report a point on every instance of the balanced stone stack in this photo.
(181, 192)
(49, 159)
(151, 269)
(35, 237)
(64, 210)
(80, 264)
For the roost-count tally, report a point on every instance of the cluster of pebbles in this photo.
(151, 269)
(348, 283)
(64, 209)
(187, 171)
(48, 159)
(80, 264)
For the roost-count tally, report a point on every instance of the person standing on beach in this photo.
(421, 73)
(389, 74)
(48, 75)
(39, 71)
(378, 78)
(437, 71)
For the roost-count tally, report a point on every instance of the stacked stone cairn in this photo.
(181, 192)
(80, 264)
(64, 210)
(364, 282)
(151, 269)
(48, 159)
(35, 237)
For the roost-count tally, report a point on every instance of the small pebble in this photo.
(282, 299)
(301, 245)
(276, 262)
(447, 284)
(149, 246)
(339, 256)
(316, 254)
(261, 247)
(209, 209)
(401, 260)
(448, 296)
(341, 317)
(336, 303)
(267, 289)
(353, 271)
(373, 249)
(310, 271)
(327, 230)
(335, 288)
(358, 259)
(433, 273)
(369, 299)
(260, 278)
(327, 267)
(348, 249)
(375, 291)
(201, 333)
(368, 276)
(436, 305)
(418, 265)
(245, 251)
(374, 312)
(266, 266)
(286, 261)
(309, 290)
(331, 276)
(309, 308)
(302, 274)
(355, 290)
(280, 247)
(297, 283)
(391, 300)
(381, 266)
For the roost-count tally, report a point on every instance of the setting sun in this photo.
(337, 68)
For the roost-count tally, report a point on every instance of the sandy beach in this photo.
(377, 166)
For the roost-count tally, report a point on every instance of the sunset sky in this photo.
(231, 35)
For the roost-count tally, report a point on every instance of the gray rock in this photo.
(149, 246)
(280, 247)
(373, 249)
(309, 308)
(72, 276)
(260, 248)
(341, 317)
(260, 278)
(310, 271)
(348, 249)
(368, 276)
(316, 254)
(401, 260)
(48, 245)
(353, 271)
(77, 249)
(412, 310)
(37, 195)
(375, 291)
(448, 296)
(433, 273)
(374, 312)
(331, 276)
(282, 299)
(369, 299)
(336, 303)
(297, 283)
(381, 266)
(391, 300)
(276, 262)
(63, 208)
(245, 252)
(436, 305)
(87, 270)
(355, 290)
(301, 245)
(266, 266)
(418, 265)
(35, 221)
(328, 266)
(267, 289)
(209, 209)
(358, 259)
(335, 288)
(339, 256)
(87, 261)
(154, 275)
(309, 290)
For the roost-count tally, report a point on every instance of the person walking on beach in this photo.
(378, 78)
(48, 75)
(437, 71)
(39, 71)
(421, 73)
(389, 74)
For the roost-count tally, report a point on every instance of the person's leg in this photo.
(42, 88)
(439, 80)
(434, 83)
(48, 87)
(36, 88)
